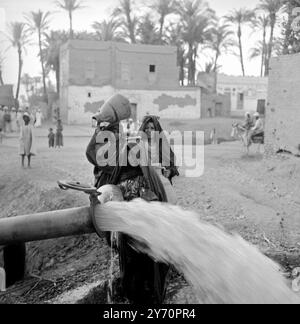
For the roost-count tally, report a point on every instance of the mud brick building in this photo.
(283, 107)
(92, 71)
(7, 96)
(246, 94)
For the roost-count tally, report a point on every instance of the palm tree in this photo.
(18, 38)
(70, 6)
(38, 22)
(240, 17)
(147, 31)
(196, 19)
(174, 38)
(261, 23)
(107, 30)
(27, 81)
(289, 6)
(1, 68)
(127, 19)
(259, 48)
(85, 35)
(272, 8)
(54, 40)
(221, 41)
(163, 8)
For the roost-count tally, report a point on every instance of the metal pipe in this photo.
(45, 226)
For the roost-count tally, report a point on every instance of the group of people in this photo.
(23, 121)
(11, 119)
(56, 139)
(142, 280)
(254, 126)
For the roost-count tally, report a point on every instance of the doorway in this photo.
(240, 104)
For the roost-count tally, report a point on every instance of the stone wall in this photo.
(283, 107)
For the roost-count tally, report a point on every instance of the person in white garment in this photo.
(38, 118)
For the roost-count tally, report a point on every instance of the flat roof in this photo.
(100, 45)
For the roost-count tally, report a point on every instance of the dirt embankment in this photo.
(258, 199)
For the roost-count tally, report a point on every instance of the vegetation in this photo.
(190, 25)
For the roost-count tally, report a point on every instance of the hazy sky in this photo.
(97, 10)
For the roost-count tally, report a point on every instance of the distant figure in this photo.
(1, 135)
(248, 123)
(14, 126)
(51, 138)
(32, 117)
(209, 113)
(213, 136)
(2, 118)
(38, 118)
(59, 140)
(7, 120)
(27, 140)
(258, 129)
(20, 120)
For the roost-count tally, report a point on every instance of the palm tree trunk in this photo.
(162, 22)
(57, 75)
(194, 64)
(190, 66)
(263, 53)
(269, 55)
(288, 30)
(215, 73)
(1, 78)
(20, 71)
(71, 25)
(181, 77)
(131, 32)
(180, 62)
(43, 67)
(241, 49)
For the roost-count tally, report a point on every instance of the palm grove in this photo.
(190, 25)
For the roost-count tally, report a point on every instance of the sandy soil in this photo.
(256, 198)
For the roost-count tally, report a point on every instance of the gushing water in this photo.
(220, 267)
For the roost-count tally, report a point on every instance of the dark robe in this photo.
(143, 281)
(166, 154)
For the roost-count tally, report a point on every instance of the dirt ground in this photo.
(258, 199)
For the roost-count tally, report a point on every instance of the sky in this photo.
(96, 10)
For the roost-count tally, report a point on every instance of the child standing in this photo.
(27, 140)
(1, 135)
(51, 138)
(59, 140)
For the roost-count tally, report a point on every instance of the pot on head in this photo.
(115, 109)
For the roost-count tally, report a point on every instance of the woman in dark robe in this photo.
(158, 144)
(143, 281)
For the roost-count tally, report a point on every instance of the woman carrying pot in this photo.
(143, 281)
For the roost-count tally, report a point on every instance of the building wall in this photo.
(283, 108)
(213, 105)
(96, 63)
(7, 96)
(183, 103)
(252, 89)
(91, 70)
(177, 104)
(133, 67)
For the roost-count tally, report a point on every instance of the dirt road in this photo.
(258, 199)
